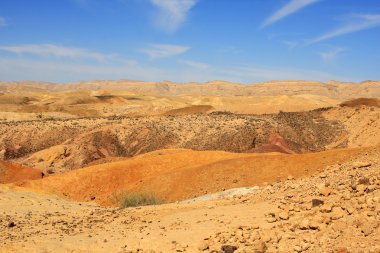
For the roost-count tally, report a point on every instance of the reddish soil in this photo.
(180, 174)
(10, 173)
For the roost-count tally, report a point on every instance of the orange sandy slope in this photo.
(10, 173)
(181, 174)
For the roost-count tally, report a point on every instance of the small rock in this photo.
(203, 246)
(11, 224)
(284, 215)
(325, 191)
(361, 188)
(316, 202)
(304, 224)
(360, 164)
(297, 248)
(337, 213)
(364, 180)
(271, 219)
(228, 248)
(326, 208)
(259, 246)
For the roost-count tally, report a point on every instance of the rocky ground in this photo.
(335, 210)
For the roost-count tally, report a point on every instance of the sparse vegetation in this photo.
(128, 199)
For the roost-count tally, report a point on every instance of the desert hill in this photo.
(82, 141)
(332, 89)
(193, 169)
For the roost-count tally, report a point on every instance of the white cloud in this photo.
(172, 13)
(331, 55)
(357, 22)
(290, 44)
(195, 64)
(58, 71)
(155, 51)
(3, 22)
(55, 51)
(54, 70)
(290, 8)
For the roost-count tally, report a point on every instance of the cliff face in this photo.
(332, 89)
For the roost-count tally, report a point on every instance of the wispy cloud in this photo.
(290, 44)
(331, 55)
(292, 7)
(155, 51)
(261, 73)
(3, 22)
(55, 51)
(195, 64)
(172, 13)
(356, 22)
(54, 70)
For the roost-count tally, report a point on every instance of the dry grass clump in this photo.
(138, 199)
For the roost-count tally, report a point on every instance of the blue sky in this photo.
(189, 40)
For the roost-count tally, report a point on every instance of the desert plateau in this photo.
(170, 168)
(194, 126)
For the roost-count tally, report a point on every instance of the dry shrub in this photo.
(128, 199)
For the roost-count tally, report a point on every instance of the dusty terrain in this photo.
(282, 166)
(336, 210)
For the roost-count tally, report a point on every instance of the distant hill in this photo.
(331, 89)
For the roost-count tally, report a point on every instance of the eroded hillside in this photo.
(59, 145)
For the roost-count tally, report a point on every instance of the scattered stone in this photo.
(361, 188)
(259, 246)
(364, 180)
(325, 191)
(337, 213)
(317, 202)
(11, 224)
(228, 248)
(304, 224)
(271, 219)
(204, 245)
(360, 164)
(284, 215)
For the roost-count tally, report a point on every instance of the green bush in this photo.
(138, 199)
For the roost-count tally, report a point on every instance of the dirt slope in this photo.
(185, 173)
(10, 173)
(361, 123)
